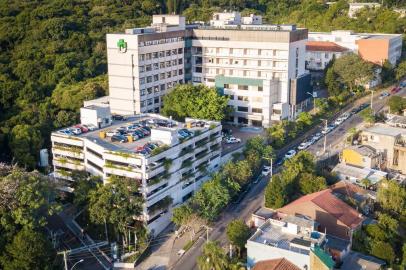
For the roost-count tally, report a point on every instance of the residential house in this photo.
(362, 156)
(334, 216)
(275, 264)
(320, 53)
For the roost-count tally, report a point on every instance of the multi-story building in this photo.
(291, 237)
(375, 48)
(168, 175)
(143, 63)
(320, 53)
(391, 141)
(260, 67)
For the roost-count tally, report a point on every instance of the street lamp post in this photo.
(80, 261)
(325, 137)
(372, 101)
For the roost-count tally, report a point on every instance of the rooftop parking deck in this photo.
(152, 122)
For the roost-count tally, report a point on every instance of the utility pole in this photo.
(65, 259)
(271, 167)
(372, 101)
(231, 251)
(325, 138)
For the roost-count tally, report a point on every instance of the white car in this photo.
(231, 140)
(317, 136)
(266, 170)
(383, 95)
(111, 133)
(90, 127)
(327, 130)
(303, 145)
(290, 154)
(76, 130)
(345, 116)
(339, 121)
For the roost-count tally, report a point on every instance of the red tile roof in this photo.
(332, 205)
(275, 264)
(324, 46)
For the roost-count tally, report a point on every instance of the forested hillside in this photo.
(52, 52)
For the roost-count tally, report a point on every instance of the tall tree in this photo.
(275, 193)
(392, 197)
(310, 183)
(238, 233)
(213, 257)
(118, 203)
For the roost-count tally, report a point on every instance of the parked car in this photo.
(119, 138)
(76, 130)
(82, 128)
(90, 127)
(327, 130)
(111, 133)
(118, 117)
(403, 84)
(66, 132)
(395, 89)
(303, 145)
(266, 170)
(339, 121)
(231, 140)
(290, 154)
(384, 95)
(317, 136)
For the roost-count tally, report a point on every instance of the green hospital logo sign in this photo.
(122, 46)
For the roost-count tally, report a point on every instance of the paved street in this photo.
(254, 198)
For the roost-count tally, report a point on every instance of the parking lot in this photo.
(243, 133)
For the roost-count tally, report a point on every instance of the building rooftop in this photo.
(337, 243)
(329, 203)
(396, 120)
(254, 27)
(348, 189)
(284, 235)
(324, 46)
(360, 173)
(387, 130)
(264, 212)
(358, 261)
(155, 122)
(275, 264)
(364, 150)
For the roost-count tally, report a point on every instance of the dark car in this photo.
(119, 138)
(118, 117)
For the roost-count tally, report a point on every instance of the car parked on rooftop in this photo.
(119, 138)
(232, 140)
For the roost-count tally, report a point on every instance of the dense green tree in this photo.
(400, 70)
(83, 185)
(310, 183)
(117, 203)
(238, 233)
(275, 193)
(392, 197)
(368, 116)
(397, 104)
(29, 250)
(388, 223)
(276, 134)
(239, 171)
(213, 257)
(212, 197)
(195, 101)
(182, 214)
(383, 250)
(25, 144)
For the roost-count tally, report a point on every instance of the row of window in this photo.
(241, 73)
(245, 109)
(242, 51)
(160, 41)
(160, 54)
(241, 62)
(161, 76)
(150, 101)
(159, 88)
(156, 66)
(242, 87)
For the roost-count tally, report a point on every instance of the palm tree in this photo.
(213, 257)
(365, 183)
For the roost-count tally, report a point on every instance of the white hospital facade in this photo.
(260, 67)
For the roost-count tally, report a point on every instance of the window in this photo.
(231, 97)
(168, 53)
(142, 92)
(168, 85)
(260, 89)
(149, 101)
(180, 71)
(174, 52)
(259, 63)
(149, 90)
(141, 57)
(161, 54)
(242, 109)
(174, 73)
(162, 87)
(142, 80)
(180, 50)
(259, 74)
(141, 69)
(148, 56)
(180, 61)
(168, 74)
(162, 65)
(256, 110)
(149, 79)
(156, 77)
(242, 98)
(180, 81)
(174, 62)
(226, 85)
(162, 76)
(155, 55)
(156, 100)
(242, 87)
(242, 120)
(156, 66)
(156, 89)
(142, 103)
(168, 63)
(148, 67)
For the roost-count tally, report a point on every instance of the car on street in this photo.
(290, 154)
(303, 145)
(266, 170)
(317, 136)
(403, 84)
(231, 140)
(395, 89)
(339, 121)
(327, 130)
(384, 95)
(119, 138)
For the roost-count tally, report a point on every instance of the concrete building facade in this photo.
(260, 67)
(167, 176)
